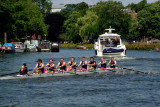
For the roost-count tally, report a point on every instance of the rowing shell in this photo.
(71, 73)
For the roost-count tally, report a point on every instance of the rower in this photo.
(24, 70)
(61, 65)
(72, 64)
(50, 66)
(112, 63)
(83, 63)
(102, 63)
(40, 67)
(92, 64)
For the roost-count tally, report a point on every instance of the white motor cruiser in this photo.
(19, 47)
(109, 44)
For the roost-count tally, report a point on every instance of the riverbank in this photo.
(74, 46)
(128, 46)
(143, 46)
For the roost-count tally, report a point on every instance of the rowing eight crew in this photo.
(61, 67)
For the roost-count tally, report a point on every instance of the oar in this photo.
(13, 73)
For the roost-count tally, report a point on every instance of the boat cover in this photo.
(9, 45)
(112, 50)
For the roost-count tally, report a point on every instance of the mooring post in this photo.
(5, 37)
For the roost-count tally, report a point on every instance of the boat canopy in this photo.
(109, 35)
(9, 45)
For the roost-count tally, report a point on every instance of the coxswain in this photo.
(112, 63)
(102, 63)
(72, 64)
(39, 68)
(83, 63)
(61, 65)
(24, 70)
(92, 64)
(50, 66)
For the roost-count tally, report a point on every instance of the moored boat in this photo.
(19, 47)
(81, 47)
(8, 48)
(109, 44)
(55, 47)
(31, 45)
(45, 46)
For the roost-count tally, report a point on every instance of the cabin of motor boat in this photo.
(19, 46)
(45, 46)
(109, 44)
(55, 47)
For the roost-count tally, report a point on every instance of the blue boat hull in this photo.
(111, 50)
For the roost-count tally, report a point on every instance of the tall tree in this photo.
(45, 6)
(55, 22)
(149, 20)
(110, 14)
(25, 19)
(88, 25)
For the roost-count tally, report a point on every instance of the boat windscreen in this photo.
(112, 42)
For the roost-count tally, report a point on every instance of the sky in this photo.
(61, 3)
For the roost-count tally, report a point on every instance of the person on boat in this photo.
(72, 64)
(116, 41)
(61, 65)
(24, 70)
(39, 68)
(102, 63)
(83, 63)
(112, 63)
(50, 66)
(92, 64)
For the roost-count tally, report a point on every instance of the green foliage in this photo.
(69, 8)
(70, 27)
(110, 14)
(84, 23)
(133, 31)
(149, 20)
(20, 18)
(74, 46)
(142, 46)
(45, 6)
(88, 25)
(138, 7)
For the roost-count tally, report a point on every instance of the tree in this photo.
(88, 25)
(73, 12)
(70, 27)
(110, 14)
(149, 20)
(69, 8)
(55, 22)
(138, 7)
(45, 6)
(24, 19)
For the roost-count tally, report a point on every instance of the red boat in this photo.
(81, 47)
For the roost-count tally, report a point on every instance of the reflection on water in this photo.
(128, 90)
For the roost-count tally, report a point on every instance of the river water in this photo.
(137, 90)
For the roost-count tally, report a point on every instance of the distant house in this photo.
(53, 10)
(131, 12)
(90, 6)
